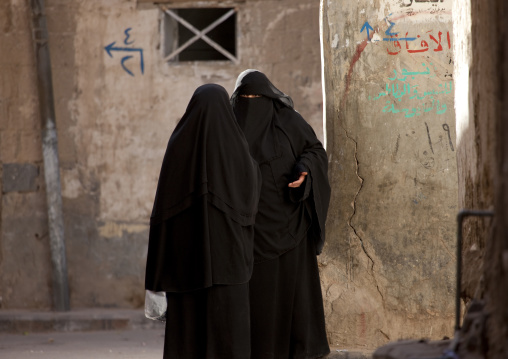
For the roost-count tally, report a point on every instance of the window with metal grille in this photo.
(199, 34)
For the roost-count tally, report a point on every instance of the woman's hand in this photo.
(299, 181)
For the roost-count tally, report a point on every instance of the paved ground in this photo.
(94, 334)
(107, 344)
(110, 344)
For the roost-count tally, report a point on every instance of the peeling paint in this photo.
(71, 185)
(376, 38)
(335, 41)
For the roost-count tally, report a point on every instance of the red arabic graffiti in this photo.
(435, 44)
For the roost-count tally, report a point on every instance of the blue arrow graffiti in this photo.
(367, 27)
(111, 47)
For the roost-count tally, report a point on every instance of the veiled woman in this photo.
(287, 317)
(201, 232)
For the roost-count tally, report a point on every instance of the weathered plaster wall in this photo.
(113, 129)
(480, 33)
(389, 264)
(496, 258)
(24, 253)
(476, 94)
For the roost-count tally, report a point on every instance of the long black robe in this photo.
(200, 247)
(287, 316)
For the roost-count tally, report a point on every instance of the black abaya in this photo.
(281, 139)
(287, 317)
(201, 232)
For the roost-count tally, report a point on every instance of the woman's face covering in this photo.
(254, 115)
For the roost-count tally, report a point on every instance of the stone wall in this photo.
(482, 74)
(113, 128)
(476, 108)
(25, 274)
(388, 268)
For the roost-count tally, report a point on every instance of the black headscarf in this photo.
(254, 82)
(267, 122)
(206, 200)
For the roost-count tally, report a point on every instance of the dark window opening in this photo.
(199, 34)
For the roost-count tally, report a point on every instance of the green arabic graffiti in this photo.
(397, 88)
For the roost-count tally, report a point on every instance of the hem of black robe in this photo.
(193, 342)
(320, 354)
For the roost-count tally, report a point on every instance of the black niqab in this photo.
(206, 200)
(254, 115)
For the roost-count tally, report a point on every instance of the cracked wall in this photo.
(388, 268)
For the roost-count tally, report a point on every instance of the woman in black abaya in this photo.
(287, 317)
(200, 248)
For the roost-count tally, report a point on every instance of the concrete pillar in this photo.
(388, 268)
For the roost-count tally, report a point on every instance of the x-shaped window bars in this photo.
(200, 34)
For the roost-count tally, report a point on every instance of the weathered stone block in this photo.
(19, 177)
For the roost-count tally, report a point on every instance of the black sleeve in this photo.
(301, 193)
(310, 153)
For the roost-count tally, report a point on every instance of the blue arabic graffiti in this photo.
(393, 36)
(111, 47)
